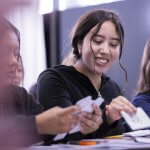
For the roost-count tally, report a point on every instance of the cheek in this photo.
(20, 75)
(5, 64)
(114, 55)
(88, 57)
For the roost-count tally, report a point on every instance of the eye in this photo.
(97, 41)
(16, 54)
(114, 45)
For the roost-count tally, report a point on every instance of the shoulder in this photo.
(141, 99)
(52, 80)
(56, 71)
(17, 91)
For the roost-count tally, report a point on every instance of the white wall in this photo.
(30, 24)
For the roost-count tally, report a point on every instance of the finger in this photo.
(118, 108)
(95, 118)
(128, 103)
(122, 100)
(86, 115)
(122, 107)
(67, 128)
(70, 110)
(72, 119)
(125, 105)
(97, 110)
(90, 123)
(85, 129)
(107, 110)
(112, 112)
(67, 124)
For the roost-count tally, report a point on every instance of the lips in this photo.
(102, 61)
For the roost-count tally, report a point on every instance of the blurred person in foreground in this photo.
(22, 120)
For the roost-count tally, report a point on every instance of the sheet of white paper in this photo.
(139, 133)
(137, 121)
(145, 140)
(60, 136)
(86, 105)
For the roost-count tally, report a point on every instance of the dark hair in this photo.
(86, 22)
(144, 77)
(5, 25)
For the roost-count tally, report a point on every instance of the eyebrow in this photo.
(117, 39)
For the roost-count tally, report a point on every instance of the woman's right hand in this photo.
(57, 120)
(90, 122)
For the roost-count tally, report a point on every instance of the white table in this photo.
(124, 144)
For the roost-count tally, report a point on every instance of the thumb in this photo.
(108, 109)
(97, 110)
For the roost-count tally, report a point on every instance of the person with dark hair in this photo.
(22, 120)
(97, 42)
(143, 86)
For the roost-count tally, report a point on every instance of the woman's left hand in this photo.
(90, 122)
(113, 110)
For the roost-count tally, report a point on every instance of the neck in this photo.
(93, 77)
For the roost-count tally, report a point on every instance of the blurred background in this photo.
(45, 26)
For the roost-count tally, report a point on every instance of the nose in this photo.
(104, 49)
(13, 61)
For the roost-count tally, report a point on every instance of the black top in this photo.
(19, 102)
(143, 100)
(64, 86)
(17, 111)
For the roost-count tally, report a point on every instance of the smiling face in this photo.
(99, 52)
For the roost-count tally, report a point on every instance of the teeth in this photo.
(102, 61)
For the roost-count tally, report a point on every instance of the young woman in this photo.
(97, 42)
(19, 113)
(143, 91)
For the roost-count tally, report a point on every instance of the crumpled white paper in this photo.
(86, 105)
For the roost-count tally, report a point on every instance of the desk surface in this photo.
(105, 144)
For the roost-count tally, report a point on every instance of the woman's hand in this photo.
(116, 106)
(57, 120)
(90, 122)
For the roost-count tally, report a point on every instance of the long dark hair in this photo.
(5, 25)
(144, 77)
(86, 22)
